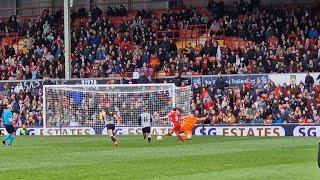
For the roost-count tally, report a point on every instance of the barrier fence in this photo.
(216, 130)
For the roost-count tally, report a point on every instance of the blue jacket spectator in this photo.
(278, 119)
(77, 97)
(313, 33)
(100, 54)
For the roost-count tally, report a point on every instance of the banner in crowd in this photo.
(210, 80)
(35, 84)
(291, 78)
(232, 80)
(218, 130)
(238, 80)
(235, 80)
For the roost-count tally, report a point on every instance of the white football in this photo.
(159, 138)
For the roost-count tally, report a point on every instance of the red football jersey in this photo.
(174, 117)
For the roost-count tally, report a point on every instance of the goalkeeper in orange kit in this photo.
(188, 125)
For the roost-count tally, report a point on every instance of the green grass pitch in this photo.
(93, 157)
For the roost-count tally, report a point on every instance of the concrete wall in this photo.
(35, 7)
(204, 3)
(7, 7)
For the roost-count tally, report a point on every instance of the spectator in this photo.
(309, 81)
(220, 83)
(178, 79)
(313, 33)
(96, 12)
(122, 11)
(278, 119)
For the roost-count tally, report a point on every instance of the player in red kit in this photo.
(174, 117)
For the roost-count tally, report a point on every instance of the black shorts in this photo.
(9, 128)
(146, 130)
(111, 126)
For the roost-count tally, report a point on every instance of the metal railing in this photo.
(189, 33)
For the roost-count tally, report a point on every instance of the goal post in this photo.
(81, 105)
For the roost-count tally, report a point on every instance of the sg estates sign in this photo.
(240, 130)
(306, 131)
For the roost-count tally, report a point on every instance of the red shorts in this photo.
(176, 127)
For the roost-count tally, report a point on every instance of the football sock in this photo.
(114, 139)
(8, 137)
(12, 139)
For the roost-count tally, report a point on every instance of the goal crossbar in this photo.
(111, 85)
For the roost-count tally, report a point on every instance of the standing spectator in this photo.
(309, 81)
(122, 11)
(178, 79)
(220, 84)
(46, 28)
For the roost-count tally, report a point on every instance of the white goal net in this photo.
(81, 105)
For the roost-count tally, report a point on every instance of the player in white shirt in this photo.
(109, 118)
(145, 120)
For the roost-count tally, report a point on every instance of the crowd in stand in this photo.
(99, 47)
(277, 40)
(283, 40)
(26, 103)
(260, 103)
(280, 40)
(252, 103)
(42, 55)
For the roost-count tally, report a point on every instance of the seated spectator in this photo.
(278, 119)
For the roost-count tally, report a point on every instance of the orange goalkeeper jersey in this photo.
(189, 123)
